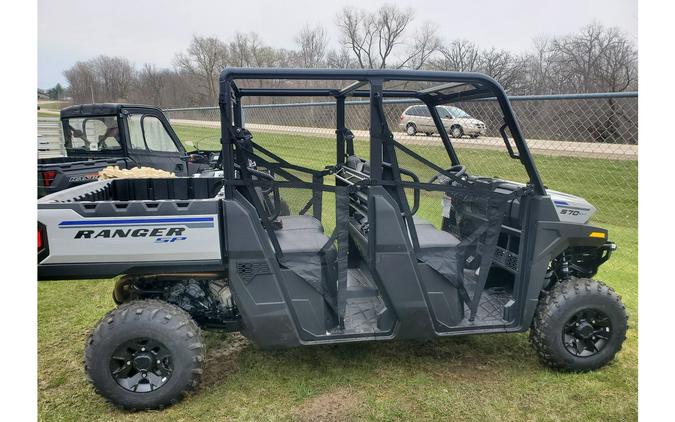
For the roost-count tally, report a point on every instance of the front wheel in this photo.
(411, 129)
(579, 325)
(456, 131)
(146, 354)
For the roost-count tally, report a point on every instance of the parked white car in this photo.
(417, 119)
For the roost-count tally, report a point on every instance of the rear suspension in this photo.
(205, 296)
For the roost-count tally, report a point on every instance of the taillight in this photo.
(40, 237)
(43, 242)
(48, 177)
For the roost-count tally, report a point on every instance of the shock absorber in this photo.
(565, 274)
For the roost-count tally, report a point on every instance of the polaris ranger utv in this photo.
(217, 253)
(96, 136)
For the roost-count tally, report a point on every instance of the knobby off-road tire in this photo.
(579, 325)
(155, 350)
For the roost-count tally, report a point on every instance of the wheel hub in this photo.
(587, 332)
(141, 365)
(143, 362)
(584, 330)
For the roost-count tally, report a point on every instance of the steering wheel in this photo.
(459, 170)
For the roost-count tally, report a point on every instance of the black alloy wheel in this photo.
(141, 365)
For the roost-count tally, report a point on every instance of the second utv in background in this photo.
(96, 136)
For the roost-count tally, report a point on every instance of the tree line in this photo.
(594, 59)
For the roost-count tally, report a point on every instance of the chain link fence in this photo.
(583, 144)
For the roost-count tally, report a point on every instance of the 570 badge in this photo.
(566, 211)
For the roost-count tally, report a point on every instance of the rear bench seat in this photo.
(300, 240)
(300, 235)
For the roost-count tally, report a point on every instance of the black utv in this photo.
(368, 253)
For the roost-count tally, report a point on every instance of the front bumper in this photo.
(473, 131)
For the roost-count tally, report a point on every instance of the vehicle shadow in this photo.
(232, 355)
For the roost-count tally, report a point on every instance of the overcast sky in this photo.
(152, 31)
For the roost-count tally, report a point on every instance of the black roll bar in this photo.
(484, 87)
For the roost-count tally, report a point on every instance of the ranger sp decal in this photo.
(161, 230)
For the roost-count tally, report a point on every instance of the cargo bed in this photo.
(116, 226)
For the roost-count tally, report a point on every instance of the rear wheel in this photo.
(579, 325)
(411, 129)
(146, 354)
(456, 131)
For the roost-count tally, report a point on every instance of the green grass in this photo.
(53, 104)
(494, 377)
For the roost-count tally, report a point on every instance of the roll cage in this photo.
(358, 217)
(446, 87)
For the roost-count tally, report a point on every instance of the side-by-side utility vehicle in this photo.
(96, 136)
(390, 242)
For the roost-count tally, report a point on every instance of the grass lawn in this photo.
(495, 377)
(53, 104)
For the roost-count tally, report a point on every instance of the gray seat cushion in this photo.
(302, 234)
(299, 222)
(301, 240)
(430, 237)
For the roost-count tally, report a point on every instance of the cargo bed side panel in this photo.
(75, 239)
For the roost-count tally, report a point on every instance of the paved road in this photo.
(538, 146)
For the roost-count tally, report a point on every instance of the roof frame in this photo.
(486, 87)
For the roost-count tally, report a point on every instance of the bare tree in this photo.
(116, 77)
(541, 74)
(104, 78)
(597, 58)
(179, 89)
(339, 59)
(240, 54)
(425, 44)
(459, 56)
(150, 83)
(618, 68)
(391, 23)
(505, 67)
(205, 58)
(465, 56)
(373, 37)
(312, 44)
(82, 85)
